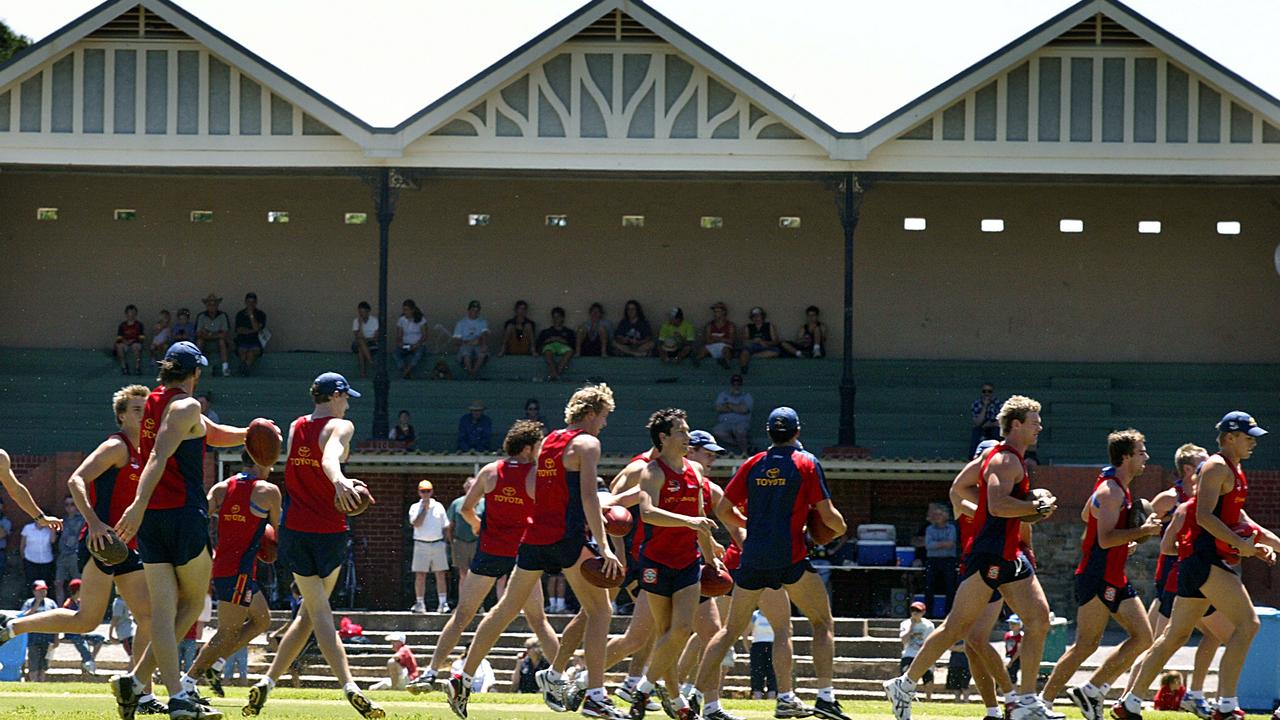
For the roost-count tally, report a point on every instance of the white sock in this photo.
(1011, 697)
(680, 701)
(182, 695)
(1104, 688)
(351, 687)
(421, 600)
(1089, 688)
(908, 682)
(711, 707)
(827, 694)
(994, 712)
(187, 682)
(1227, 705)
(686, 688)
(1194, 694)
(444, 599)
(271, 684)
(1132, 702)
(631, 682)
(552, 675)
(142, 699)
(597, 694)
(219, 664)
(787, 696)
(644, 685)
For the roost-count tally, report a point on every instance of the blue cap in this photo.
(187, 355)
(1239, 421)
(704, 439)
(783, 419)
(984, 446)
(332, 382)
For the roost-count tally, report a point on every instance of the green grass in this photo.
(89, 701)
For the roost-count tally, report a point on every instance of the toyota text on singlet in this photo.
(557, 507)
(308, 492)
(239, 530)
(506, 511)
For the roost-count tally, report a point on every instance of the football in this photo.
(593, 570)
(1138, 514)
(818, 530)
(1039, 494)
(262, 441)
(267, 546)
(366, 499)
(114, 551)
(617, 520)
(715, 584)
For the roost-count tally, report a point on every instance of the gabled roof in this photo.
(464, 96)
(272, 77)
(857, 145)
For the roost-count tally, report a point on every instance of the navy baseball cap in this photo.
(984, 446)
(332, 382)
(1239, 421)
(783, 419)
(704, 439)
(187, 355)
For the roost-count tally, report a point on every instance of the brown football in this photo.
(366, 499)
(818, 530)
(114, 551)
(715, 584)
(262, 441)
(593, 570)
(267, 547)
(617, 520)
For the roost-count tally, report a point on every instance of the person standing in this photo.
(431, 533)
(38, 644)
(983, 416)
(463, 548)
(68, 561)
(941, 539)
(913, 631)
(37, 552)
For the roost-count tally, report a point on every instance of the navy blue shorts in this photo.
(1166, 602)
(236, 589)
(996, 571)
(494, 566)
(173, 537)
(772, 578)
(130, 564)
(312, 554)
(661, 580)
(1194, 571)
(555, 557)
(1087, 588)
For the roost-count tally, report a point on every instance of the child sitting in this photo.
(1169, 697)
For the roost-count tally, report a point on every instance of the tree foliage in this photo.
(11, 42)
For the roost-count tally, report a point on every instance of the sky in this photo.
(850, 62)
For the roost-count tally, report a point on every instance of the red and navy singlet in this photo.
(1166, 564)
(557, 508)
(182, 483)
(308, 492)
(676, 547)
(1095, 560)
(507, 511)
(239, 530)
(634, 539)
(1183, 545)
(112, 492)
(1228, 510)
(998, 535)
(781, 485)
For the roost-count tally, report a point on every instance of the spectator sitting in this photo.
(759, 339)
(251, 332)
(213, 327)
(411, 338)
(206, 406)
(734, 422)
(431, 529)
(719, 336)
(594, 334)
(130, 335)
(475, 429)
(483, 680)
(88, 644)
(160, 332)
(913, 631)
(471, 335)
(38, 643)
(68, 562)
(556, 345)
(182, 328)
(37, 552)
(402, 666)
(364, 336)
(983, 414)
(533, 411)
(403, 431)
(528, 663)
(633, 336)
(811, 338)
(675, 337)
(940, 540)
(1013, 648)
(519, 332)
(1171, 692)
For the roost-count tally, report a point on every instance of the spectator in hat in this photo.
(913, 632)
(183, 328)
(519, 333)
(633, 337)
(675, 337)
(213, 328)
(402, 666)
(759, 339)
(556, 344)
(38, 643)
(475, 429)
(38, 552)
(431, 534)
(471, 336)
(734, 422)
(130, 335)
(251, 331)
(719, 336)
(594, 334)
(160, 333)
(364, 336)
(403, 431)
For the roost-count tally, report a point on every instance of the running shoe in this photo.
(5, 633)
(639, 703)
(125, 688)
(257, 698)
(184, 708)
(424, 683)
(1090, 706)
(1120, 712)
(214, 678)
(553, 691)
(573, 696)
(1030, 709)
(458, 693)
(720, 714)
(364, 705)
(664, 700)
(900, 697)
(829, 709)
(791, 708)
(1237, 714)
(152, 707)
(602, 708)
(1197, 706)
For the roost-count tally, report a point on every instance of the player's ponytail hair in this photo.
(1015, 408)
(120, 400)
(588, 399)
(523, 434)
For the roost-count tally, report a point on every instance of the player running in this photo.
(1210, 574)
(1102, 590)
(102, 487)
(566, 529)
(243, 504)
(506, 487)
(169, 517)
(778, 487)
(313, 536)
(995, 562)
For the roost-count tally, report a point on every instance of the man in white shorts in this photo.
(431, 531)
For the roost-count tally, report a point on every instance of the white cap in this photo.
(1014, 619)
(397, 637)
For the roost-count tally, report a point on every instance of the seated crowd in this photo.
(211, 330)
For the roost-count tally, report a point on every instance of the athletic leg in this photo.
(675, 633)
(536, 616)
(1091, 621)
(497, 620)
(741, 606)
(775, 605)
(570, 641)
(95, 593)
(1186, 613)
(1213, 629)
(1225, 591)
(471, 594)
(1026, 598)
(1131, 617)
(595, 603)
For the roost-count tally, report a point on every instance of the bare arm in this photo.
(22, 495)
(1265, 536)
(586, 450)
(335, 451)
(1213, 478)
(1169, 543)
(831, 517)
(964, 489)
(111, 453)
(1003, 474)
(217, 494)
(651, 481)
(224, 435)
(738, 534)
(1106, 505)
(484, 484)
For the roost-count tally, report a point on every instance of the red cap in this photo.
(917, 606)
(75, 583)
